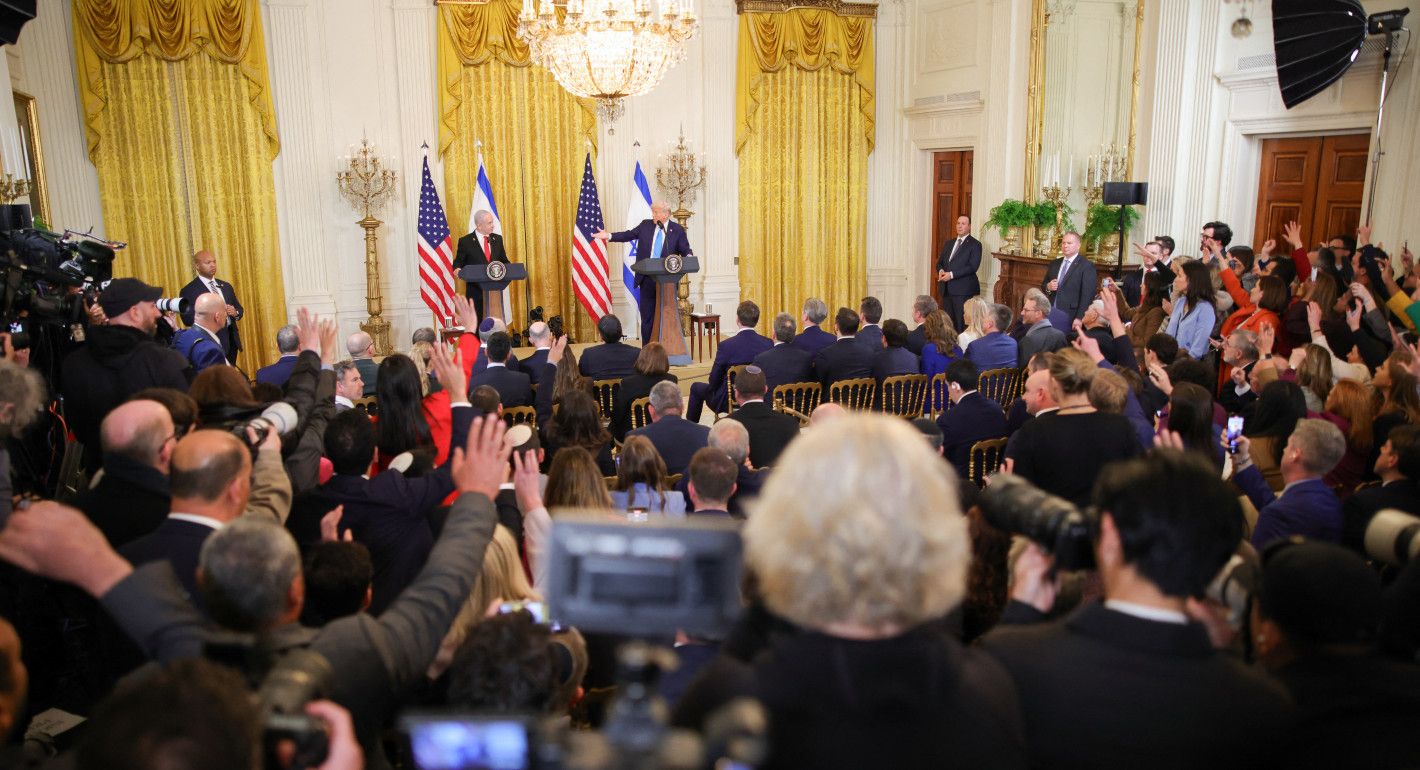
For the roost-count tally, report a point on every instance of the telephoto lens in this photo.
(1012, 504)
(171, 304)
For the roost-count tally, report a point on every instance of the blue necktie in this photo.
(658, 243)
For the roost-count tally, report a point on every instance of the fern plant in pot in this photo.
(1009, 218)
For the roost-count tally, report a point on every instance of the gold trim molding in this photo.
(27, 111)
(866, 10)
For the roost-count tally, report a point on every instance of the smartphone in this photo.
(1108, 282)
(1235, 427)
(462, 741)
(538, 610)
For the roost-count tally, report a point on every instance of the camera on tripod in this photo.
(47, 278)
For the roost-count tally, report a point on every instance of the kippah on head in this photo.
(751, 381)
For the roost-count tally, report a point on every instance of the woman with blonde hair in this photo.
(973, 314)
(572, 482)
(1349, 406)
(641, 480)
(1313, 366)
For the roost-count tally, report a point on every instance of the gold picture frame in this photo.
(27, 115)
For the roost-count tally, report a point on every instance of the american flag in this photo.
(436, 273)
(589, 279)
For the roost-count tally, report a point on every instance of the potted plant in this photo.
(1044, 220)
(1009, 218)
(1103, 222)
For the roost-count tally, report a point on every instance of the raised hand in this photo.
(559, 347)
(329, 331)
(1169, 439)
(1293, 233)
(60, 543)
(330, 526)
(308, 330)
(449, 372)
(467, 315)
(527, 481)
(1363, 236)
(1313, 317)
(1268, 247)
(1160, 378)
(1266, 338)
(1086, 343)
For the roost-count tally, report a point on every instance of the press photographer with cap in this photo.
(117, 360)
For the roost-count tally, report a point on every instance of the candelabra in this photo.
(679, 173)
(367, 185)
(1057, 196)
(1093, 194)
(12, 189)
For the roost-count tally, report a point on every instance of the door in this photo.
(951, 198)
(1315, 180)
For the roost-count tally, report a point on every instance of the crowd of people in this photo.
(1193, 553)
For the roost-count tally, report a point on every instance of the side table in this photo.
(701, 325)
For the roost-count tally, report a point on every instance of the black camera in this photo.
(282, 683)
(1012, 504)
(46, 277)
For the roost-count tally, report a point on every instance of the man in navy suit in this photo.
(813, 339)
(973, 417)
(1398, 465)
(846, 358)
(287, 343)
(1307, 507)
(769, 431)
(995, 349)
(611, 360)
(1072, 293)
(894, 359)
(540, 337)
(209, 483)
(479, 247)
(739, 349)
(922, 307)
(486, 329)
(514, 388)
(362, 351)
(870, 312)
(206, 282)
(675, 437)
(200, 343)
(784, 363)
(956, 271)
(655, 238)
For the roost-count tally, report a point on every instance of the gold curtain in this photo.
(180, 125)
(803, 132)
(535, 140)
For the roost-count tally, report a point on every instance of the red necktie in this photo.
(487, 251)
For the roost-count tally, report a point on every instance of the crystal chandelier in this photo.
(608, 49)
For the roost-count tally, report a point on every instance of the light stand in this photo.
(1386, 23)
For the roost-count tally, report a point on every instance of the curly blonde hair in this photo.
(861, 525)
(502, 578)
(24, 389)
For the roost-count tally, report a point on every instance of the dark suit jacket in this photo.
(536, 358)
(1081, 282)
(676, 438)
(633, 387)
(962, 266)
(514, 388)
(1105, 689)
(277, 373)
(994, 351)
(378, 656)
(1040, 338)
(513, 364)
(871, 335)
(890, 362)
(1309, 509)
(370, 373)
(130, 500)
(608, 361)
(176, 541)
(917, 339)
(784, 363)
(1133, 285)
(735, 351)
(389, 514)
(471, 253)
(230, 337)
(812, 340)
(845, 359)
(199, 349)
(974, 418)
(769, 431)
(1361, 507)
(675, 241)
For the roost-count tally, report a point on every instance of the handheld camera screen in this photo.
(468, 743)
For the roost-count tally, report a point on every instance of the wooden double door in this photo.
(1317, 181)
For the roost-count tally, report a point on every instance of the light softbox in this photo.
(1315, 42)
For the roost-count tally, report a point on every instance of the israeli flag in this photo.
(483, 201)
(638, 210)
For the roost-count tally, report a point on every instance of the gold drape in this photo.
(180, 125)
(804, 129)
(535, 139)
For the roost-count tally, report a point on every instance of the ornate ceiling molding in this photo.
(868, 10)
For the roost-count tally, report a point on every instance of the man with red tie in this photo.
(479, 247)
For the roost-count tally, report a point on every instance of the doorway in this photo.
(951, 198)
(1317, 181)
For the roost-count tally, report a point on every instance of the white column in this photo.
(891, 264)
(415, 77)
(718, 239)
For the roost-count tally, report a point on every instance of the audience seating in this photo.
(985, 458)
(904, 395)
(1001, 385)
(604, 391)
(730, 375)
(855, 393)
(514, 415)
(641, 412)
(937, 400)
(798, 399)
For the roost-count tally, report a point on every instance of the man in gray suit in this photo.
(1071, 281)
(1040, 334)
(251, 576)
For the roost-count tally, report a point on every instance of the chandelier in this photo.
(607, 49)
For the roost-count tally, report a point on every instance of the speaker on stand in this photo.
(1123, 194)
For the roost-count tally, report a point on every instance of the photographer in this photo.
(118, 359)
(1133, 681)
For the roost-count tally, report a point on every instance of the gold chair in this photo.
(641, 412)
(604, 391)
(798, 399)
(937, 400)
(368, 405)
(515, 415)
(610, 482)
(673, 480)
(854, 394)
(984, 459)
(904, 395)
(1000, 385)
(730, 375)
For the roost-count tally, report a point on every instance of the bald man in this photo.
(655, 238)
(131, 498)
(204, 264)
(210, 481)
(201, 343)
(825, 412)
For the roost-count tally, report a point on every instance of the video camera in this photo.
(637, 580)
(1012, 504)
(40, 272)
(283, 682)
(1391, 537)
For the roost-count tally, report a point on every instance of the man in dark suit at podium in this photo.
(205, 264)
(613, 359)
(1071, 281)
(655, 238)
(739, 349)
(784, 363)
(479, 247)
(956, 271)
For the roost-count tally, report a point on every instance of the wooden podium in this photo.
(665, 324)
(493, 278)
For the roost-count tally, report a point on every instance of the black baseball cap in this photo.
(124, 293)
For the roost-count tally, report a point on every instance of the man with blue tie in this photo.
(1071, 281)
(655, 238)
(739, 349)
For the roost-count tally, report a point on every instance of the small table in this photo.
(702, 324)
